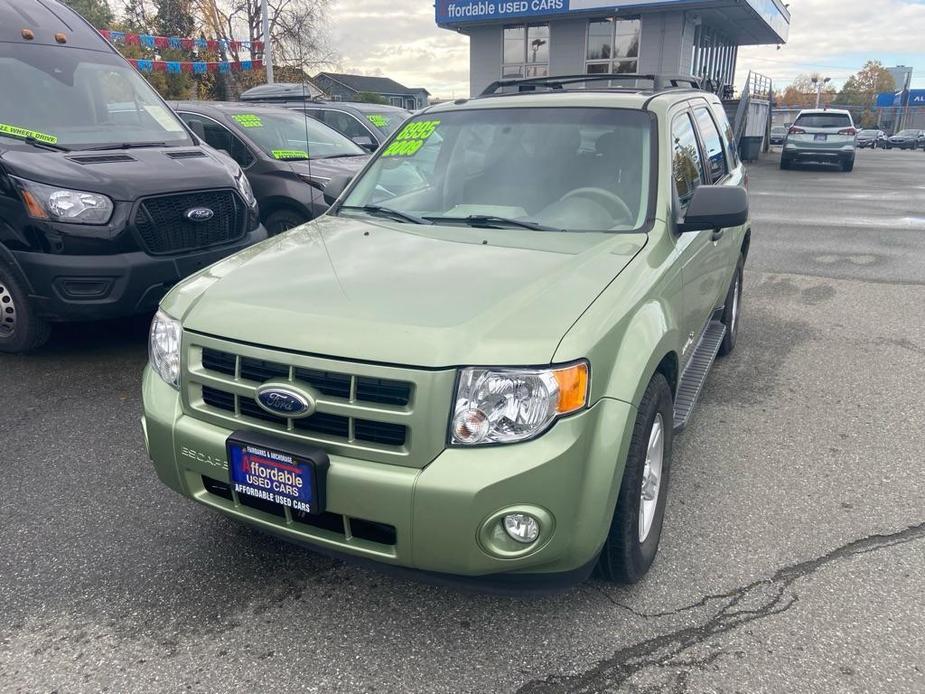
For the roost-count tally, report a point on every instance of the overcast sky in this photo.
(399, 39)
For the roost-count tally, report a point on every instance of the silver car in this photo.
(825, 135)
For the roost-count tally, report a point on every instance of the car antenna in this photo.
(304, 90)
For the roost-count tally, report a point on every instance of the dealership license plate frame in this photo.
(301, 461)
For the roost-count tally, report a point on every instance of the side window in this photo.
(713, 143)
(346, 124)
(219, 137)
(728, 136)
(685, 159)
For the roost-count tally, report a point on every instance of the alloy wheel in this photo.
(7, 312)
(651, 477)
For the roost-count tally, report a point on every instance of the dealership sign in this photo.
(895, 100)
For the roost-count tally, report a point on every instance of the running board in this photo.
(695, 373)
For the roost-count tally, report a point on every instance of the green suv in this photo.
(474, 364)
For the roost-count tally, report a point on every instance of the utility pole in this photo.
(267, 44)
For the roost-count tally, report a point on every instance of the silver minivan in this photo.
(826, 135)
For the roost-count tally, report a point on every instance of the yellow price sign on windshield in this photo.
(411, 138)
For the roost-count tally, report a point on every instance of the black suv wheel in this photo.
(20, 329)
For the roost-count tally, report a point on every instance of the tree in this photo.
(862, 88)
(371, 98)
(801, 93)
(97, 12)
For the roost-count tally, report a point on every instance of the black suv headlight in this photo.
(63, 204)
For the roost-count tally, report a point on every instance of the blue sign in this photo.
(889, 99)
(917, 97)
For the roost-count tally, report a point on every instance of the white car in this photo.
(821, 135)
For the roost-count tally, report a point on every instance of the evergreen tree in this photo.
(97, 12)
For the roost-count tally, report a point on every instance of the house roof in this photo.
(363, 83)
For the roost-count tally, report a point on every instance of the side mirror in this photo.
(336, 186)
(715, 207)
(366, 142)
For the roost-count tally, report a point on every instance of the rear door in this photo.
(823, 130)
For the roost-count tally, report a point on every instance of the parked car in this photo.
(907, 139)
(106, 199)
(288, 158)
(826, 135)
(480, 377)
(873, 139)
(778, 133)
(368, 125)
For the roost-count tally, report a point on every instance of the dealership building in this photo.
(534, 38)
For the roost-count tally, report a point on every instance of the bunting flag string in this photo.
(180, 43)
(200, 67)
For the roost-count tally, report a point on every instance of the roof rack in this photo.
(561, 82)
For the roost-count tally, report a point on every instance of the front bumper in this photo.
(572, 473)
(91, 287)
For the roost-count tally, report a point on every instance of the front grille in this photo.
(321, 423)
(336, 385)
(371, 531)
(163, 227)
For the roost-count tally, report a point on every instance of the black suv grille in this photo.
(163, 227)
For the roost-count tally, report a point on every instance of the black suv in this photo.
(368, 125)
(288, 157)
(907, 139)
(106, 198)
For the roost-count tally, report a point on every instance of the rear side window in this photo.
(728, 136)
(685, 159)
(713, 143)
(219, 137)
(824, 120)
(345, 123)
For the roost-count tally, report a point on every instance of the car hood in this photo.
(124, 175)
(396, 293)
(328, 168)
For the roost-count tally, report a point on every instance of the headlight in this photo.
(508, 405)
(244, 188)
(164, 348)
(64, 205)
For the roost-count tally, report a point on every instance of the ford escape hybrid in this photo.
(481, 374)
(106, 199)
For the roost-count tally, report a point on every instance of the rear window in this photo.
(824, 120)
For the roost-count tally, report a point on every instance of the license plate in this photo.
(278, 472)
(821, 138)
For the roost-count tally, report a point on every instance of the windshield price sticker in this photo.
(24, 133)
(289, 154)
(411, 138)
(378, 121)
(248, 120)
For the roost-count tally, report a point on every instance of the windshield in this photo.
(869, 133)
(907, 133)
(77, 99)
(778, 129)
(824, 120)
(576, 169)
(387, 122)
(292, 135)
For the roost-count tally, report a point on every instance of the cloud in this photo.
(399, 38)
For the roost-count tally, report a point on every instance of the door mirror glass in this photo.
(715, 207)
(365, 141)
(335, 187)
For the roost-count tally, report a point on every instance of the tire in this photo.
(785, 164)
(731, 313)
(625, 558)
(283, 220)
(848, 165)
(21, 330)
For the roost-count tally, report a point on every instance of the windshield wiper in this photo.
(489, 221)
(125, 145)
(342, 156)
(37, 143)
(379, 211)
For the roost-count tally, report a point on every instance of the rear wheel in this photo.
(785, 163)
(21, 329)
(848, 165)
(283, 220)
(636, 528)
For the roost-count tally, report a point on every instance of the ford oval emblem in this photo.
(199, 214)
(285, 401)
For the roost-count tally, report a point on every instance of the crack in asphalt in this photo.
(770, 594)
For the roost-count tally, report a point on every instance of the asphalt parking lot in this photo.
(791, 560)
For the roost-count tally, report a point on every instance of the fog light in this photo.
(522, 527)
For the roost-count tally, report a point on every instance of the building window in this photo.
(613, 46)
(526, 51)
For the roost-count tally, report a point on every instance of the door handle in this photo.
(718, 234)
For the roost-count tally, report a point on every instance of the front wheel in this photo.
(733, 308)
(21, 330)
(283, 220)
(636, 528)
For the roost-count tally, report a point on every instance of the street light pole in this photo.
(819, 83)
(267, 44)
